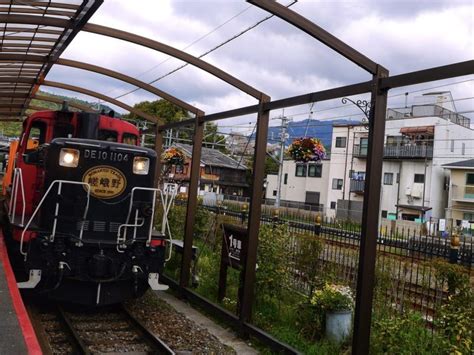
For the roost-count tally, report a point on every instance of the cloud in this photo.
(274, 57)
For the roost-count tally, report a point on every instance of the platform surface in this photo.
(16, 333)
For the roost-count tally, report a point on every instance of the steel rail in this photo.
(152, 338)
(72, 331)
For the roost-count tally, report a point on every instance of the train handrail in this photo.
(127, 224)
(17, 179)
(60, 182)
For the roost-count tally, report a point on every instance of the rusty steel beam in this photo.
(370, 217)
(100, 96)
(192, 205)
(158, 150)
(176, 53)
(36, 20)
(255, 211)
(27, 38)
(40, 4)
(129, 80)
(33, 29)
(106, 72)
(17, 10)
(316, 32)
(431, 74)
(60, 101)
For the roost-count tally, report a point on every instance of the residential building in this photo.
(461, 191)
(419, 140)
(219, 173)
(301, 182)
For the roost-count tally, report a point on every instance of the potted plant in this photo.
(307, 149)
(337, 302)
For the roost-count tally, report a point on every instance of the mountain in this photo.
(307, 128)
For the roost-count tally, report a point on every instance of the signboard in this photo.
(105, 181)
(442, 225)
(233, 245)
(233, 254)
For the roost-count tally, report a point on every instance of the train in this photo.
(79, 206)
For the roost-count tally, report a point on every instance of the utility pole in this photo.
(283, 137)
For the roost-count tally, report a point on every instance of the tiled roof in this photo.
(213, 157)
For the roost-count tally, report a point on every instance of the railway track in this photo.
(109, 330)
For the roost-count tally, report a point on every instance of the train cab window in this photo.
(129, 138)
(36, 136)
(63, 129)
(108, 135)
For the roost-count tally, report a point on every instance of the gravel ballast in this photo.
(178, 332)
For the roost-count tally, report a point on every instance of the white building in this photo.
(418, 141)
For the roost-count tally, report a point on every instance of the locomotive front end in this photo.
(94, 239)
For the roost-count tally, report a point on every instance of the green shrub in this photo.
(455, 317)
(272, 260)
(307, 259)
(404, 335)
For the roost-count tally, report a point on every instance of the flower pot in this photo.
(338, 325)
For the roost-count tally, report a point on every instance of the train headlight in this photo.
(141, 165)
(69, 157)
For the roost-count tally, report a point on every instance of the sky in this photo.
(275, 57)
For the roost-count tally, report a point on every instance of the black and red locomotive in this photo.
(80, 202)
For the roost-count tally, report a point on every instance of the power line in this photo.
(208, 51)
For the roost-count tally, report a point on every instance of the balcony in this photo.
(462, 193)
(357, 186)
(399, 151)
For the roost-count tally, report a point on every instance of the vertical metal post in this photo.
(255, 211)
(158, 150)
(192, 203)
(370, 217)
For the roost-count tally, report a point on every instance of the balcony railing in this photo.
(462, 193)
(357, 186)
(399, 151)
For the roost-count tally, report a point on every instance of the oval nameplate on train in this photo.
(105, 181)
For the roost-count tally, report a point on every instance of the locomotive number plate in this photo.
(105, 181)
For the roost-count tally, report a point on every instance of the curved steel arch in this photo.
(176, 53)
(102, 97)
(82, 91)
(106, 72)
(59, 101)
(143, 41)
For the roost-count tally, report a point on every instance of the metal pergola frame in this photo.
(27, 69)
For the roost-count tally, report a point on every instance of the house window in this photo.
(285, 179)
(452, 145)
(274, 192)
(300, 170)
(384, 214)
(388, 179)
(207, 169)
(315, 170)
(333, 205)
(341, 142)
(337, 184)
(364, 145)
(420, 178)
(470, 179)
(468, 216)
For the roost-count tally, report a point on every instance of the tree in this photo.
(169, 113)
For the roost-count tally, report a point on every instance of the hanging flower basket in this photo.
(307, 149)
(173, 156)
